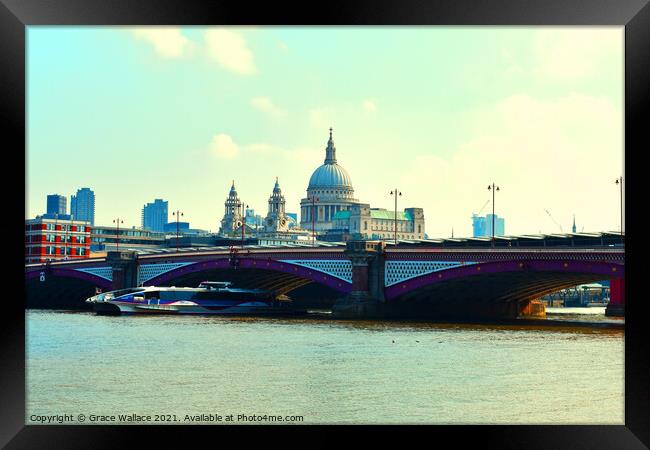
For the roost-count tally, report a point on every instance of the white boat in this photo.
(210, 297)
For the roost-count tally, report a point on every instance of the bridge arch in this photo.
(61, 288)
(503, 280)
(286, 276)
(69, 273)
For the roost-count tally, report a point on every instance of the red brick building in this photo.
(51, 239)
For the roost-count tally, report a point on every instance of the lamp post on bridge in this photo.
(118, 221)
(243, 207)
(56, 220)
(619, 181)
(313, 201)
(65, 239)
(396, 193)
(493, 188)
(178, 214)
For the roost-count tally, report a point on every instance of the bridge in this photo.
(368, 278)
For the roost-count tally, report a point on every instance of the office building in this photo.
(172, 227)
(104, 239)
(56, 204)
(155, 215)
(55, 239)
(482, 226)
(362, 221)
(82, 205)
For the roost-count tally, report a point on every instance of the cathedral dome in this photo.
(330, 174)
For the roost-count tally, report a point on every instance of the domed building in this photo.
(338, 216)
(330, 191)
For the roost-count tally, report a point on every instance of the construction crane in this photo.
(483, 207)
(549, 214)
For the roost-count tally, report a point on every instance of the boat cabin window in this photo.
(126, 291)
(215, 284)
(175, 295)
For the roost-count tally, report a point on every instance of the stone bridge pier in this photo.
(616, 305)
(366, 300)
(125, 269)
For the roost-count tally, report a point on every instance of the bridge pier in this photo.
(616, 305)
(533, 309)
(125, 269)
(367, 297)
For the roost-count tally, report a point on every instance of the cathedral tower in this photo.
(276, 219)
(232, 217)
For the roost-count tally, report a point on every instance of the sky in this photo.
(439, 113)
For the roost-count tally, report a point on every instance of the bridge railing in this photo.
(245, 252)
(66, 261)
(339, 250)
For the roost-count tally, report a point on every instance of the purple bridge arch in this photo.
(47, 271)
(290, 274)
(559, 271)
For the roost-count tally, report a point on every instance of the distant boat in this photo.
(210, 297)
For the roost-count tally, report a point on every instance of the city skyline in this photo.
(178, 113)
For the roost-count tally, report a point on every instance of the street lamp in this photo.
(65, 240)
(178, 214)
(243, 220)
(118, 222)
(56, 220)
(493, 188)
(313, 201)
(396, 193)
(619, 181)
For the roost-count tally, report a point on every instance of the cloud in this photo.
(267, 106)
(369, 106)
(558, 154)
(229, 49)
(569, 53)
(260, 148)
(223, 147)
(168, 42)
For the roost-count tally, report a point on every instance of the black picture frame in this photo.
(16, 15)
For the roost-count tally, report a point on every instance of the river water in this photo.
(199, 369)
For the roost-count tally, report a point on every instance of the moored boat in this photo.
(210, 297)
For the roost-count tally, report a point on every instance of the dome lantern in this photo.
(330, 151)
(330, 175)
